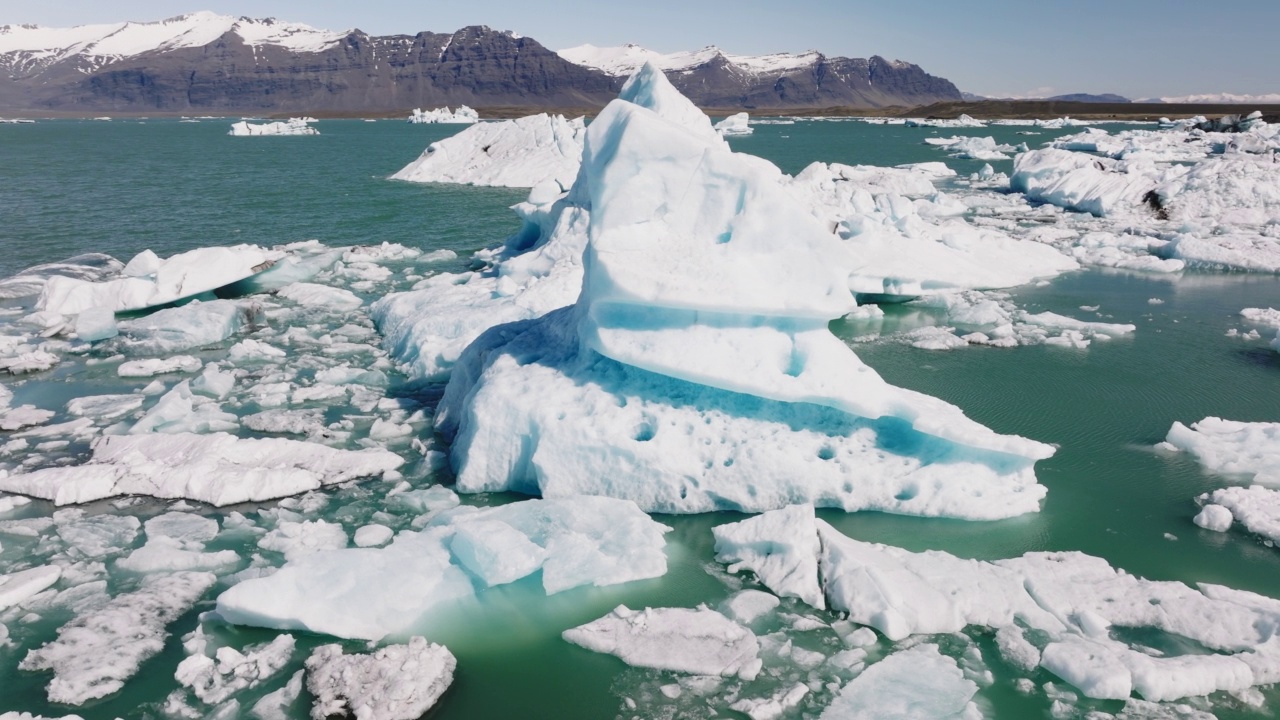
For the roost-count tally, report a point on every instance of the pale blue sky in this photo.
(1138, 48)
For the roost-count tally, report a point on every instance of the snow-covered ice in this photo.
(1257, 508)
(1251, 449)
(699, 641)
(509, 153)
(735, 125)
(216, 675)
(218, 469)
(396, 682)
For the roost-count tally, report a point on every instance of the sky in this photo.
(998, 48)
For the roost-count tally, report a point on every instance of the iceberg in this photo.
(292, 126)
(1257, 508)
(397, 682)
(964, 121)
(1077, 181)
(1063, 611)
(700, 340)
(217, 468)
(96, 653)
(190, 326)
(972, 148)
(510, 153)
(371, 593)
(145, 285)
(462, 116)
(699, 641)
(229, 671)
(734, 125)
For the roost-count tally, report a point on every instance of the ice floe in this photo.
(509, 153)
(462, 116)
(218, 469)
(918, 682)
(292, 126)
(735, 125)
(1251, 449)
(349, 593)
(1068, 613)
(699, 641)
(396, 682)
(96, 653)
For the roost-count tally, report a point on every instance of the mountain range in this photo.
(204, 62)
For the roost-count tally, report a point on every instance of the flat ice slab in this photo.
(218, 469)
(912, 684)
(699, 641)
(292, 126)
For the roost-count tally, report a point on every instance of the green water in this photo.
(69, 187)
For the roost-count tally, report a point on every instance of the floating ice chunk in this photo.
(1055, 321)
(916, 683)
(250, 350)
(159, 366)
(28, 362)
(8, 503)
(310, 294)
(164, 554)
(214, 382)
(193, 325)
(104, 407)
(292, 126)
(91, 267)
(299, 539)
(1228, 446)
(96, 324)
(462, 116)
(495, 552)
(293, 422)
(508, 153)
(24, 416)
(972, 148)
(1214, 517)
(373, 535)
(218, 469)
(275, 705)
(963, 121)
(774, 706)
(780, 547)
(142, 265)
(748, 605)
(185, 275)
(215, 679)
(698, 641)
(1266, 317)
(96, 653)
(17, 587)
(181, 411)
(370, 593)
(734, 125)
(1256, 507)
(397, 682)
(95, 536)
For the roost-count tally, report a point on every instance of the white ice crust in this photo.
(508, 153)
(1228, 446)
(374, 592)
(1058, 611)
(396, 682)
(919, 682)
(217, 468)
(692, 310)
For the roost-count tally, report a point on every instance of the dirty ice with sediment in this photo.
(259, 509)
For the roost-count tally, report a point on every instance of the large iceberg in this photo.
(511, 153)
(374, 592)
(218, 469)
(696, 371)
(1069, 613)
(292, 126)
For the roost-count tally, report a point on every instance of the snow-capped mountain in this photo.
(205, 62)
(714, 78)
(30, 48)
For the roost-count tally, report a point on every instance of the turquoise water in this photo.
(120, 187)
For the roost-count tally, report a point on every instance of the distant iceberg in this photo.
(444, 116)
(734, 125)
(292, 126)
(699, 347)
